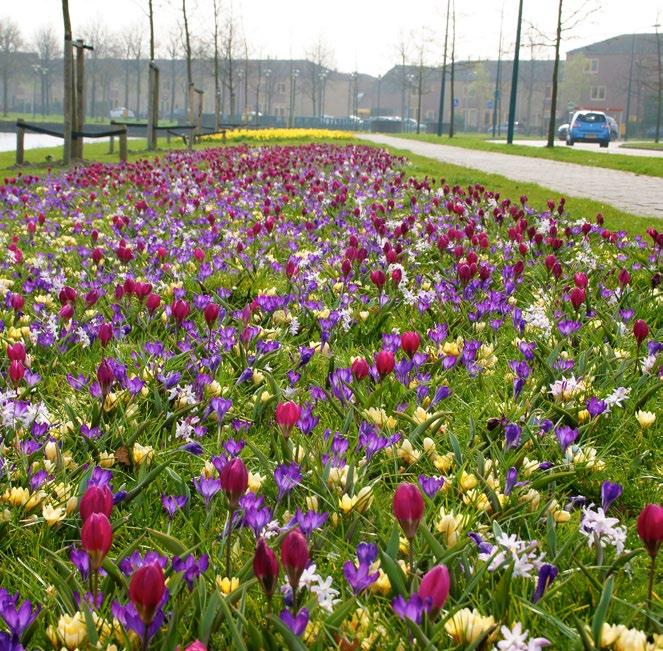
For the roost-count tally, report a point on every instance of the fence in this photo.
(22, 126)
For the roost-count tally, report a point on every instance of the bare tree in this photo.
(96, 34)
(452, 78)
(403, 51)
(68, 84)
(10, 41)
(173, 50)
(187, 50)
(48, 49)
(230, 43)
(321, 56)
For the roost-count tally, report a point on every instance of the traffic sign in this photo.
(489, 104)
(456, 102)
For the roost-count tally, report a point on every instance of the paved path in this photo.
(640, 195)
(612, 148)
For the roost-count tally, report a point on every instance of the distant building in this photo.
(299, 91)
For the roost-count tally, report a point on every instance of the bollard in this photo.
(20, 142)
(123, 145)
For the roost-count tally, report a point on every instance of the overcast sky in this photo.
(363, 34)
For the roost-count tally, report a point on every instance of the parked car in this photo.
(614, 128)
(562, 131)
(589, 126)
(119, 113)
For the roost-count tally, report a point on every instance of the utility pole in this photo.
(514, 77)
(440, 111)
(553, 98)
(498, 76)
(152, 89)
(628, 92)
(660, 84)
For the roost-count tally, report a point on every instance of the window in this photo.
(597, 93)
(280, 88)
(592, 66)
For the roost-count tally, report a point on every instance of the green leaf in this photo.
(149, 478)
(456, 448)
(338, 616)
(393, 571)
(602, 610)
(173, 545)
(238, 642)
(206, 623)
(584, 636)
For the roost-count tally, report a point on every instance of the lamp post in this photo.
(322, 76)
(660, 84)
(379, 108)
(628, 90)
(293, 96)
(240, 76)
(268, 90)
(514, 77)
(410, 87)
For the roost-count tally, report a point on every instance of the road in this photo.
(633, 193)
(612, 148)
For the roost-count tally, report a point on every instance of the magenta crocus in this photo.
(435, 586)
(294, 556)
(408, 506)
(234, 481)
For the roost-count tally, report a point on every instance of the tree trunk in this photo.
(137, 87)
(553, 99)
(127, 64)
(452, 78)
(68, 83)
(443, 82)
(217, 90)
(189, 73)
(5, 89)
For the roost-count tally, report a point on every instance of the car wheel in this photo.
(569, 142)
(604, 143)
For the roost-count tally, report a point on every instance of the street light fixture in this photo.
(660, 83)
(293, 95)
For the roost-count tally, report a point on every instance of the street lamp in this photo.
(514, 77)
(322, 76)
(293, 95)
(240, 76)
(379, 111)
(268, 91)
(410, 87)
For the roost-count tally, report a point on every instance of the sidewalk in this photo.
(640, 195)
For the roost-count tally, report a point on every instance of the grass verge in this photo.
(644, 165)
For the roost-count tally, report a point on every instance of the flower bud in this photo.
(105, 334)
(266, 567)
(359, 368)
(435, 585)
(410, 343)
(146, 590)
(640, 330)
(211, 313)
(234, 481)
(96, 500)
(294, 556)
(16, 372)
(286, 416)
(96, 538)
(16, 352)
(650, 527)
(408, 508)
(180, 311)
(384, 362)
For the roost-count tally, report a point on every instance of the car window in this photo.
(592, 118)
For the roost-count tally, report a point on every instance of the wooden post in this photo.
(68, 83)
(79, 104)
(152, 106)
(123, 145)
(111, 145)
(192, 135)
(199, 112)
(20, 141)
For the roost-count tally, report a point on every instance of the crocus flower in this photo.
(412, 609)
(171, 503)
(566, 436)
(650, 528)
(435, 587)
(146, 590)
(547, 574)
(287, 414)
(410, 342)
(359, 368)
(609, 493)
(359, 577)
(265, 567)
(96, 538)
(96, 499)
(191, 567)
(296, 623)
(430, 485)
(640, 331)
(294, 556)
(408, 507)
(234, 481)
(384, 362)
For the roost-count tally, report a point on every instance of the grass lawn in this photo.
(652, 146)
(420, 166)
(623, 163)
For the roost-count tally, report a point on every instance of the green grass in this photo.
(421, 166)
(649, 146)
(621, 162)
(58, 118)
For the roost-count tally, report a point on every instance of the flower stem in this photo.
(650, 590)
(228, 543)
(410, 553)
(145, 638)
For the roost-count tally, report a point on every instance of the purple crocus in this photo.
(510, 482)
(297, 624)
(610, 491)
(596, 407)
(191, 567)
(547, 574)
(309, 521)
(412, 609)
(17, 618)
(430, 485)
(359, 577)
(566, 436)
(512, 435)
(172, 503)
(207, 487)
(287, 476)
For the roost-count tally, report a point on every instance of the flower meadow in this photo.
(292, 397)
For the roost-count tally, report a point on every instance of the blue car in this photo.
(589, 126)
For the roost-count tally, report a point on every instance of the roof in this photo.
(620, 45)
